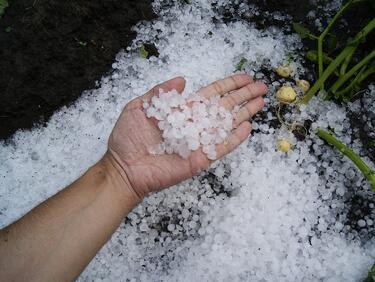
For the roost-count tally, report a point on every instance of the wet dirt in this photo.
(51, 51)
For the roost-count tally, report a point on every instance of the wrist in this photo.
(118, 180)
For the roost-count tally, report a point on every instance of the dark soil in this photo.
(359, 207)
(51, 51)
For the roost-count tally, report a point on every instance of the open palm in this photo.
(134, 134)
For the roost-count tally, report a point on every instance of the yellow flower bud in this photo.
(284, 71)
(283, 145)
(304, 85)
(286, 94)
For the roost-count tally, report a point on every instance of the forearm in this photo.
(57, 239)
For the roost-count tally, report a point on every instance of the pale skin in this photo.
(56, 240)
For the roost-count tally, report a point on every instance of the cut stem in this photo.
(361, 165)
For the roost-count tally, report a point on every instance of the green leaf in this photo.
(8, 29)
(241, 65)
(372, 144)
(142, 52)
(3, 5)
(303, 32)
(371, 275)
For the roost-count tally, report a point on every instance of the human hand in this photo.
(134, 134)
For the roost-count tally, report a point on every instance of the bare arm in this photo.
(57, 239)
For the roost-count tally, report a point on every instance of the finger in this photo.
(177, 83)
(246, 93)
(248, 111)
(223, 86)
(234, 140)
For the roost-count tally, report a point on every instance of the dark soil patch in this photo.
(363, 132)
(52, 50)
(359, 208)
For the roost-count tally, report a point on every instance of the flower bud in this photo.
(303, 84)
(284, 70)
(286, 94)
(283, 145)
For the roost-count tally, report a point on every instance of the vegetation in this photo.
(3, 5)
(362, 166)
(371, 275)
(143, 52)
(347, 74)
(241, 65)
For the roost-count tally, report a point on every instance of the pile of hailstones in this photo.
(189, 122)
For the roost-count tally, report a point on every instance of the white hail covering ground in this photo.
(280, 221)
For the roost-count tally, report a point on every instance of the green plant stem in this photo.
(3, 5)
(320, 60)
(371, 275)
(324, 34)
(352, 45)
(363, 33)
(351, 72)
(328, 71)
(366, 74)
(345, 64)
(362, 166)
(361, 76)
(352, 84)
(313, 57)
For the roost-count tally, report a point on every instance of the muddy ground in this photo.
(51, 51)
